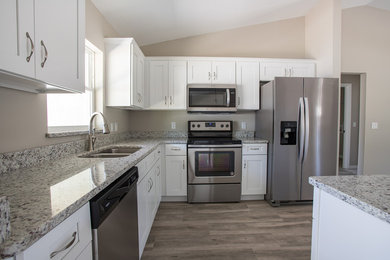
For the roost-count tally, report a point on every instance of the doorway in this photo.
(351, 122)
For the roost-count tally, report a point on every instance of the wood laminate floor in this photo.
(245, 230)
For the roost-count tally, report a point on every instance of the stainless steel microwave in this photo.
(211, 98)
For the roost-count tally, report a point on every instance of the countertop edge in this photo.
(358, 203)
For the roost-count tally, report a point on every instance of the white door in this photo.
(143, 214)
(199, 72)
(138, 81)
(270, 70)
(176, 175)
(248, 84)
(177, 84)
(302, 70)
(152, 201)
(224, 72)
(158, 182)
(17, 37)
(59, 35)
(158, 84)
(254, 174)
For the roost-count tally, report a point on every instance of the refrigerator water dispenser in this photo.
(288, 132)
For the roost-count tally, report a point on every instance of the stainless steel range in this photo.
(214, 162)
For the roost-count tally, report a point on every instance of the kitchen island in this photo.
(351, 217)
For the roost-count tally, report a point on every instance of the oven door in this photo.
(214, 164)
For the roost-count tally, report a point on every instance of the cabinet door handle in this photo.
(184, 165)
(150, 184)
(244, 164)
(239, 100)
(46, 54)
(32, 47)
(74, 235)
(170, 100)
(215, 75)
(165, 100)
(291, 72)
(209, 75)
(285, 72)
(159, 171)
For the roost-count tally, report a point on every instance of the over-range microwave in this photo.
(211, 98)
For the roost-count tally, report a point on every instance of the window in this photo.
(71, 112)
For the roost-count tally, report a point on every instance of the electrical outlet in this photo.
(243, 125)
(173, 125)
(354, 124)
(112, 127)
(115, 126)
(374, 125)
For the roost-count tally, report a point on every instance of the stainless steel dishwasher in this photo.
(114, 219)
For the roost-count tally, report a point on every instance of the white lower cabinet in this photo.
(254, 169)
(69, 240)
(176, 170)
(149, 196)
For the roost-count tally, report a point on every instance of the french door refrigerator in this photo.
(299, 117)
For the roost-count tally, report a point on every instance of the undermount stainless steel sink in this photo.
(112, 152)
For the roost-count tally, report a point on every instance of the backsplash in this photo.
(33, 156)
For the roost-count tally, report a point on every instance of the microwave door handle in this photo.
(228, 97)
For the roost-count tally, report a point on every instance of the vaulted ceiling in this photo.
(152, 21)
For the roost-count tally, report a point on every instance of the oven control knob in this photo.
(227, 125)
(198, 125)
(193, 125)
(221, 126)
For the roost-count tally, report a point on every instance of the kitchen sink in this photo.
(112, 152)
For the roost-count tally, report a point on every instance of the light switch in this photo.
(243, 125)
(354, 124)
(374, 125)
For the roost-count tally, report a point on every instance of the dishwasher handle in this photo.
(108, 199)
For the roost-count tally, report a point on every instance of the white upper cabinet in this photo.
(124, 73)
(215, 72)
(42, 43)
(58, 45)
(167, 84)
(224, 72)
(17, 37)
(282, 68)
(158, 84)
(248, 83)
(177, 84)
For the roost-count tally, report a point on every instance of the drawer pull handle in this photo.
(255, 149)
(184, 166)
(175, 149)
(74, 235)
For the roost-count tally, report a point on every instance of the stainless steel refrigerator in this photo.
(299, 116)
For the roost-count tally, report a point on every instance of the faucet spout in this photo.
(92, 138)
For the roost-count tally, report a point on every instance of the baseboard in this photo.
(252, 197)
(173, 198)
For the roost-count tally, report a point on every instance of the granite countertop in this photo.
(370, 193)
(253, 141)
(42, 196)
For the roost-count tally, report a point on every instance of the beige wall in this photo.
(24, 116)
(161, 120)
(282, 39)
(365, 49)
(323, 37)
(355, 81)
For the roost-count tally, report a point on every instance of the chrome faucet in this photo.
(92, 137)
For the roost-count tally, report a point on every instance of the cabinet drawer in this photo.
(254, 149)
(146, 164)
(66, 241)
(175, 149)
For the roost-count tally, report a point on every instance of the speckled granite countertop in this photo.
(253, 141)
(370, 193)
(42, 196)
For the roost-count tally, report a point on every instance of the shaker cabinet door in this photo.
(199, 72)
(248, 85)
(224, 72)
(60, 42)
(158, 84)
(254, 174)
(17, 37)
(177, 84)
(176, 175)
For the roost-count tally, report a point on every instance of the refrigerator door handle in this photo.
(307, 129)
(301, 129)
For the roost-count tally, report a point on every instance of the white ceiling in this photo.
(152, 21)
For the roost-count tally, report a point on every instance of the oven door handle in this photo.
(214, 146)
